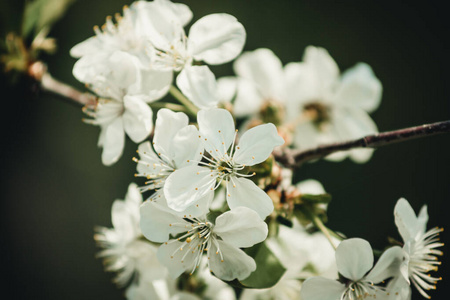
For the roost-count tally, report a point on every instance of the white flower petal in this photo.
(176, 260)
(142, 291)
(184, 296)
(217, 129)
(361, 156)
(310, 186)
(354, 258)
(187, 147)
(248, 99)
(87, 68)
(322, 66)
(387, 266)
(233, 263)
(124, 69)
(182, 11)
(158, 22)
(241, 227)
(167, 125)
(226, 88)
(187, 185)
(256, 144)
(137, 118)
(133, 198)
(263, 68)
(352, 123)
(90, 46)
(156, 220)
(152, 161)
(199, 208)
(113, 143)
(406, 220)
(122, 221)
(359, 88)
(152, 84)
(199, 85)
(319, 288)
(147, 262)
(216, 39)
(244, 192)
(422, 218)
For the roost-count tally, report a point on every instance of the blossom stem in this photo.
(39, 72)
(295, 158)
(183, 100)
(319, 224)
(171, 106)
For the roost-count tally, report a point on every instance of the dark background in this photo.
(54, 189)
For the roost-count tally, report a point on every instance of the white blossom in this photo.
(310, 97)
(214, 39)
(419, 248)
(260, 81)
(327, 107)
(175, 145)
(302, 255)
(187, 185)
(163, 289)
(354, 259)
(120, 83)
(221, 240)
(124, 250)
(132, 31)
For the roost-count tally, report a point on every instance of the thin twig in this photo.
(183, 100)
(295, 158)
(39, 71)
(319, 225)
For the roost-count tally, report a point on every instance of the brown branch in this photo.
(39, 72)
(294, 158)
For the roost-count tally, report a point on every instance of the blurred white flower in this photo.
(325, 107)
(187, 185)
(302, 255)
(238, 228)
(124, 250)
(419, 248)
(309, 97)
(260, 82)
(354, 259)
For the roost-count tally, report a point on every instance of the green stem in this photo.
(183, 100)
(319, 224)
(172, 106)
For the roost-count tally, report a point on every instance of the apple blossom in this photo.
(354, 259)
(420, 247)
(124, 251)
(187, 185)
(221, 240)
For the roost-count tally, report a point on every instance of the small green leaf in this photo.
(42, 13)
(316, 199)
(268, 268)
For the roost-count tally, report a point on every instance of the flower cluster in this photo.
(219, 209)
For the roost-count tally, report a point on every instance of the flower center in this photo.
(317, 112)
(360, 290)
(198, 239)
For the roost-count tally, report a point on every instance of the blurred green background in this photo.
(54, 189)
